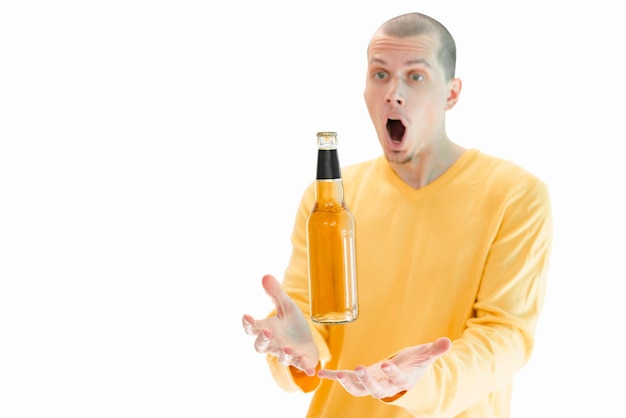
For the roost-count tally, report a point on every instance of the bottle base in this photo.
(335, 318)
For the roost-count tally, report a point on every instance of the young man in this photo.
(452, 250)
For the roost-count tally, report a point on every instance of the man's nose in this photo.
(395, 94)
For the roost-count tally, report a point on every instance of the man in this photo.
(452, 254)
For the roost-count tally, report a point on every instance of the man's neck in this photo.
(429, 165)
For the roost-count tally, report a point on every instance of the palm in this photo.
(285, 335)
(390, 377)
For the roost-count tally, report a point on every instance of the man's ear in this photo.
(453, 94)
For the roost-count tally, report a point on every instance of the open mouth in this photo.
(396, 129)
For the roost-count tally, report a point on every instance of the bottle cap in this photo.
(327, 159)
(327, 140)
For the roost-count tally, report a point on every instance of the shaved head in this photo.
(416, 24)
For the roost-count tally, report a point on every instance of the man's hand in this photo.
(285, 335)
(392, 376)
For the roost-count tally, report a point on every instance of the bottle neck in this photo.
(328, 165)
(328, 185)
(329, 194)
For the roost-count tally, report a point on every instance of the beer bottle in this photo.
(331, 242)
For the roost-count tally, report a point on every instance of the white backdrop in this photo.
(152, 155)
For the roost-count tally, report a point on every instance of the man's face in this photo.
(407, 94)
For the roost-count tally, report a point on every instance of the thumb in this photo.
(275, 291)
(441, 346)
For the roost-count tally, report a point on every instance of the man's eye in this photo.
(380, 75)
(416, 77)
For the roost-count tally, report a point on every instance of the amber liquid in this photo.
(331, 257)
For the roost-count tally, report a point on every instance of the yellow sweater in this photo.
(464, 257)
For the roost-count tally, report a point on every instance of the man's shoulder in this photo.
(504, 179)
(499, 168)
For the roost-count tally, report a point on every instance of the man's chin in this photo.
(397, 157)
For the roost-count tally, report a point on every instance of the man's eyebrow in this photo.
(377, 61)
(416, 61)
(421, 61)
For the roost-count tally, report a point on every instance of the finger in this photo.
(299, 362)
(271, 285)
(275, 291)
(441, 346)
(346, 378)
(395, 375)
(340, 376)
(249, 325)
(285, 358)
(327, 374)
(371, 385)
(346, 381)
(308, 367)
(302, 363)
(263, 342)
(428, 353)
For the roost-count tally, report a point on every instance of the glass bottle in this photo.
(331, 242)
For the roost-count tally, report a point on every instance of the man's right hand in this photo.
(287, 334)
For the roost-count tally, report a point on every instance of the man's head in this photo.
(410, 85)
(415, 24)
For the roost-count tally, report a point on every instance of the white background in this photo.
(152, 155)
